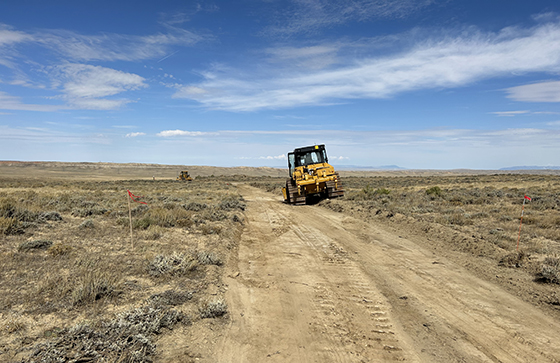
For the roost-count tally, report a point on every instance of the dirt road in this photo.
(312, 285)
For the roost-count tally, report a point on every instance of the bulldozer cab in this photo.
(307, 156)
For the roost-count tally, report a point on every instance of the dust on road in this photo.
(312, 285)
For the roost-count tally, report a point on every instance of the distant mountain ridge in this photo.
(531, 167)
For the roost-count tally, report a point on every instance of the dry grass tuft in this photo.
(94, 283)
(59, 249)
(12, 325)
(9, 225)
(514, 259)
(550, 269)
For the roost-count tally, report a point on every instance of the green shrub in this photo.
(434, 191)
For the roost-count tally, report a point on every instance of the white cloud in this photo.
(553, 123)
(536, 92)
(8, 36)
(436, 63)
(85, 86)
(509, 113)
(135, 134)
(278, 157)
(171, 133)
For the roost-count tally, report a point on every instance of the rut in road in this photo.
(312, 285)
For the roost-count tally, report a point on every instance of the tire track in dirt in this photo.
(299, 297)
(311, 285)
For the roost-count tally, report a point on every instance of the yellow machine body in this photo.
(311, 175)
(184, 175)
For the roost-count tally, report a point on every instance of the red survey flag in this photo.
(135, 197)
(526, 197)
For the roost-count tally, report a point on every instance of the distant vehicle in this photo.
(311, 175)
(184, 175)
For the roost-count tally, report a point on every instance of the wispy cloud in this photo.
(135, 134)
(509, 113)
(536, 92)
(83, 86)
(450, 137)
(434, 63)
(311, 16)
(172, 133)
(8, 102)
(102, 47)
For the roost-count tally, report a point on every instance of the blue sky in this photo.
(437, 84)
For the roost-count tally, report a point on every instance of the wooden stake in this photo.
(520, 222)
(130, 219)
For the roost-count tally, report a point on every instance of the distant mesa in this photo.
(532, 167)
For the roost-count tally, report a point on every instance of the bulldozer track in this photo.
(306, 286)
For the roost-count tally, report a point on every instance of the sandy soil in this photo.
(311, 285)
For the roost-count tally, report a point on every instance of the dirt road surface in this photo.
(312, 285)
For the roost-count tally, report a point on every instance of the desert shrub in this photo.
(172, 264)
(382, 191)
(38, 244)
(59, 249)
(126, 338)
(213, 308)
(209, 258)
(195, 207)
(210, 229)
(139, 210)
(153, 232)
(550, 269)
(237, 219)
(232, 202)
(434, 191)
(50, 216)
(87, 224)
(171, 297)
(209, 215)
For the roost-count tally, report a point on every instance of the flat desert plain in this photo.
(417, 266)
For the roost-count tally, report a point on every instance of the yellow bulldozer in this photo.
(184, 175)
(311, 175)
